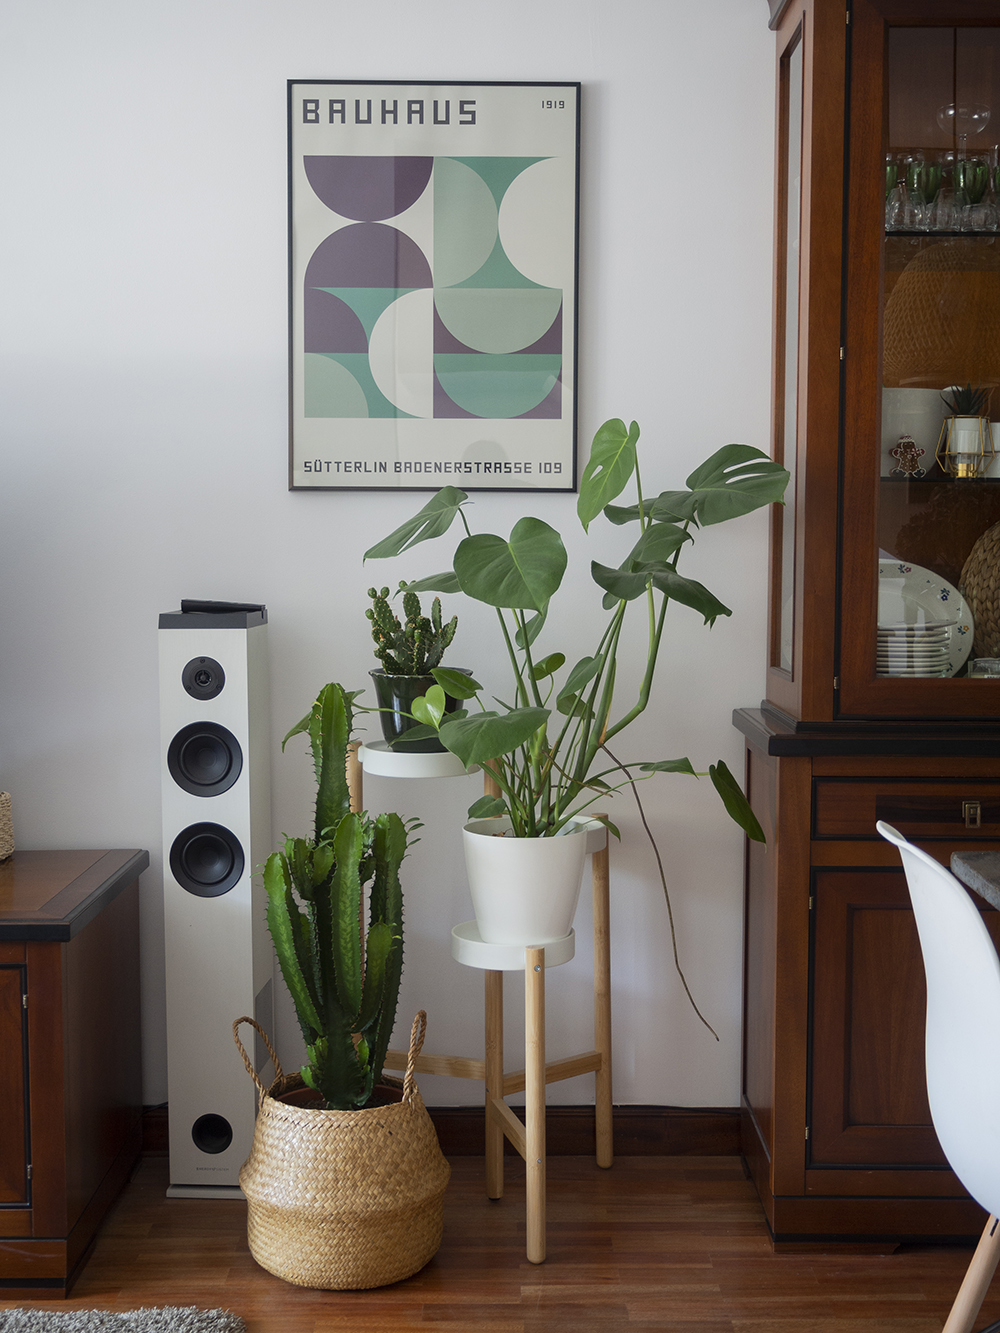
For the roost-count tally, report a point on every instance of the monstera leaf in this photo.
(520, 574)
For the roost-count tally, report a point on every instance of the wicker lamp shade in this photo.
(942, 319)
(980, 586)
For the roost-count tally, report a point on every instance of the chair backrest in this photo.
(963, 1021)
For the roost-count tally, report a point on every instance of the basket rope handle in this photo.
(417, 1033)
(246, 1059)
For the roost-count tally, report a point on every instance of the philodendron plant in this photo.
(341, 985)
(548, 744)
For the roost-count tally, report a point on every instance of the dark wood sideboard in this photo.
(70, 1071)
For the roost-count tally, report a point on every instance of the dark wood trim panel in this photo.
(640, 1131)
(809, 692)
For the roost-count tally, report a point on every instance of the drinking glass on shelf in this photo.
(971, 177)
(961, 120)
(895, 193)
(923, 181)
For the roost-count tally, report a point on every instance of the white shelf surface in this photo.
(469, 947)
(378, 758)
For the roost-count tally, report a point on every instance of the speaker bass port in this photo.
(205, 759)
(206, 860)
(212, 1133)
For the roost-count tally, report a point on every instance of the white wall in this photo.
(144, 447)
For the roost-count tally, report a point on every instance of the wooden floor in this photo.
(656, 1243)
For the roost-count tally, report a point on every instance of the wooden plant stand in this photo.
(494, 960)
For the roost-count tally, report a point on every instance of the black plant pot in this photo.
(396, 694)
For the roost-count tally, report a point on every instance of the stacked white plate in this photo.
(925, 627)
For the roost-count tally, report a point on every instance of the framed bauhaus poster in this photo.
(433, 237)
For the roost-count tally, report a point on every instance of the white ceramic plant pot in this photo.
(524, 890)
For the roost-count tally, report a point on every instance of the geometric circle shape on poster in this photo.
(551, 339)
(368, 254)
(498, 172)
(497, 387)
(203, 678)
(204, 759)
(497, 320)
(212, 1133)
(446, 409)
(359, 366)
(366, 304)
(330, 325)
(497, 271)
(549, 409)
(330, 390)
(368, 189)
(535, 246)
(465, 221)
(401, 353)
(206, 860)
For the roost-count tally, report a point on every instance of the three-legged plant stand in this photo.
(494, 960)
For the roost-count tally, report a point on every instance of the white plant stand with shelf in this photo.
(493, 959)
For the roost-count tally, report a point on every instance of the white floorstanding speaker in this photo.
(216, 834)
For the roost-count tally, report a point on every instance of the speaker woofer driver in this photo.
(207, 860)
(205, 759)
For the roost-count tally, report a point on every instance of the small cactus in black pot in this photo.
(415, 647)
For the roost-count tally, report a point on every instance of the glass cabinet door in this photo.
(920, 593)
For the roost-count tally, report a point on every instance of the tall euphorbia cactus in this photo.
(314, 890)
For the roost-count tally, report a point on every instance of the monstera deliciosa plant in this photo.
(548, 743)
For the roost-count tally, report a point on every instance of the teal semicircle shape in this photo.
(356, 364)
(465, 221)
(498, 271)
(497, 386)
(504, 320)
(330, 389)
(498, 172)
(368, 303)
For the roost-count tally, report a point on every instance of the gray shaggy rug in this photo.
(166, 1319)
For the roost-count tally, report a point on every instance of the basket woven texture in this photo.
(942, 319)
(980, 586)
(6, 827)
(343, 1199)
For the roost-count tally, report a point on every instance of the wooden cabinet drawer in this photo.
(945, 808)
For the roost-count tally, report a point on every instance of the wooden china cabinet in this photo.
(887, 292)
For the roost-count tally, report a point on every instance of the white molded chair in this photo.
(962, 1051)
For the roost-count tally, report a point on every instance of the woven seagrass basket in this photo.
(980, 586)
(343, 1199)
(6, 827)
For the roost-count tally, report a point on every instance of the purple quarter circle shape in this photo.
(368, 189)
(444, 406)
(331, 325)
(368, 254)
(549, 409)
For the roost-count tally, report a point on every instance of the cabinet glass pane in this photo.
(786, 396)
(939, 490)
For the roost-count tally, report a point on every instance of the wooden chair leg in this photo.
(976, 1282)
(534, 1097)
(494, 1083)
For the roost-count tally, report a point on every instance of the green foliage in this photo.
(552, 763)
(967, 402)
(415, 647)
(341, 986)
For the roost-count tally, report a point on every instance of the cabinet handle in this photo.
(973, 814)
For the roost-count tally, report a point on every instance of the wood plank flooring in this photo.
(654, 1244)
